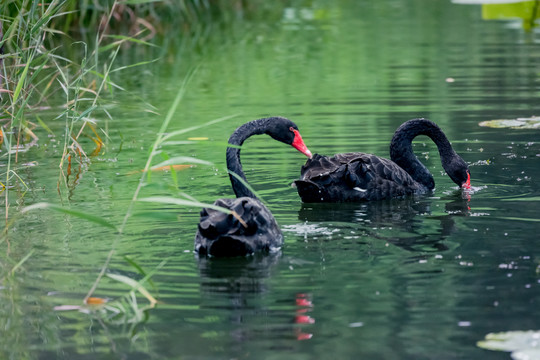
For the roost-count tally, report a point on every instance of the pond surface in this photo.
(422, 278)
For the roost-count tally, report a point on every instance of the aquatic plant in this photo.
(35, 75)
(58, 65)
(61, 56)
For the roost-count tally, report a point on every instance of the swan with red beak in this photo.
(357, 176)
(250, 226)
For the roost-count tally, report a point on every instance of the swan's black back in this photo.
(222, 234)
(353, 177)
(366, 177)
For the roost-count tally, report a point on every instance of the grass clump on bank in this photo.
(61, 57)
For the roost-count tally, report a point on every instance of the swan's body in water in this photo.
(366, 177)
(221, 234)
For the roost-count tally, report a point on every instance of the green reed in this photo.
(61, 56)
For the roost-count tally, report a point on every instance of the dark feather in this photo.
(353, 177)
(222, 234)
(364, 177)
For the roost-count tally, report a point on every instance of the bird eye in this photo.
(291, 128)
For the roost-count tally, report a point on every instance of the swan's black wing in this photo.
(221, 234)
(353, 177)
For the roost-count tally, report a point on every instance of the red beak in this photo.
(467, 184)
(299, 145)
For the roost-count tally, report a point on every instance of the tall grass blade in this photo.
(20, 83)
(153, 148)
(130, 39)
(135, 285)
(86, 112)
(181, 202)
(136, 2)
(134, 65)
(139, 269)
(177, 160)
(244, 182)
(189, 197)
(43, 125)
(183, 131)
(22, 261)
(83, 215)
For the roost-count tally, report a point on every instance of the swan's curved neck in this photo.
(256, 127)
(401, 151)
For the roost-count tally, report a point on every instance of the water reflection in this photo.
(237, 277)
(370, 275)
(236, 284)
(401, 222)
(526, 10)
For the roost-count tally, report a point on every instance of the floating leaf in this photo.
(529, 354)
(197, 138)
(95, 301)
(519, 123)
(522, 344)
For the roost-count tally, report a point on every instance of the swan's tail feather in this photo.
(309, 191)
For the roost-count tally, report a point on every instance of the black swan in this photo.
(366, 177)
(221, 234)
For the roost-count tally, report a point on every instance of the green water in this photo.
(415, 279)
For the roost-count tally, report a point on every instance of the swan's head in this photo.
(286, 131)
(458, 170)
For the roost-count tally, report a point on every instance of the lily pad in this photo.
(524, 345)
(529, 354)
(519, 123)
